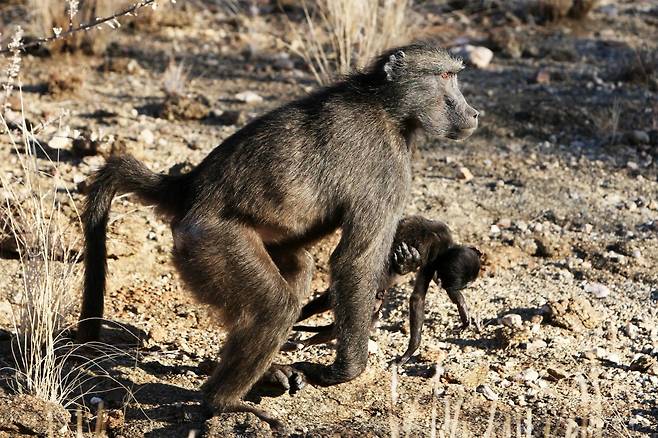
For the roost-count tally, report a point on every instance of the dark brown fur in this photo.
(243, 218)
(419, 245)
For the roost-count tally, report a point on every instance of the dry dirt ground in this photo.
(560, 191)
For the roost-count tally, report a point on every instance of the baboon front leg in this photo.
(417, 312)
(258, 298)
(357, 267)
(458, 299)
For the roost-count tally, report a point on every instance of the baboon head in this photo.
(457, 267)
(422, 88)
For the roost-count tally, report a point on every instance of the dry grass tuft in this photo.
(341, 35)
(33, 217)
(33, 204)
(175, 79)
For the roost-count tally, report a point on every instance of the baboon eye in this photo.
(447, 75)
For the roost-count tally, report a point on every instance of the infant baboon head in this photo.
(423, 80)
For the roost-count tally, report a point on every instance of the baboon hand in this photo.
(405, 259)
(470, 322)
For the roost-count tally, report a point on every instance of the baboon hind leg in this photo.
(227, 265)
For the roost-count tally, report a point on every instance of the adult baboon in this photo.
(242, 218)
(420, 245)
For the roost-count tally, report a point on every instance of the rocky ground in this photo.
(558, 187)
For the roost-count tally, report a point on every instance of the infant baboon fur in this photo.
(420, 245)
(242, 219)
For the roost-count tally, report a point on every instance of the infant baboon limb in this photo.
(241, 219)
(419, 244)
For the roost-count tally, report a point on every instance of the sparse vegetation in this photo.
(338, 36)
(564, 166)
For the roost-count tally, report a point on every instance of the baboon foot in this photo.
(278, 380)
(210, 409)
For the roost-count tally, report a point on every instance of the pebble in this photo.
(494, 229)
(487, 392)
(539, 344)
(638, 137)
(479, 56)
(505, 223)
(95, 400)
(465, 174)
(249, 97)
(631, 330)
(543, 77)
(598, 290)
(512, 320)
(147, 137)
(529, 375)
(639, 421)
(60, 140)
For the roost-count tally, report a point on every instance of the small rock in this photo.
(494, 229)
(639, 421)
(512, 320)
(230, 117)
(557, 373)
(487, 392)
(644, 364)
(60, 140)
(631, 330)
(465, 174)
(95, 400)
(539, 344)
(505, 223)
(632, 165)
(477, 56)
(543, 77)
(576, 314)
(529, 375)
(614, 358)
(146, 137)
(653, 137)
(597, 289)
(158, 334)
(637, 137)
(24, 415)
(248, 97)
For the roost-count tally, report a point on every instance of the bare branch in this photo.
(140, 4)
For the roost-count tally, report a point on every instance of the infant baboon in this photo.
(242, 219)
(419, 245)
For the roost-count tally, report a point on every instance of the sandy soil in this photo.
(560, 191)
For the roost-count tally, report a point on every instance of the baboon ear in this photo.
(394, 65)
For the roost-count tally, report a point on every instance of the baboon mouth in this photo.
(461, 134)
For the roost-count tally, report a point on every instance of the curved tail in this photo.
(119, 175)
